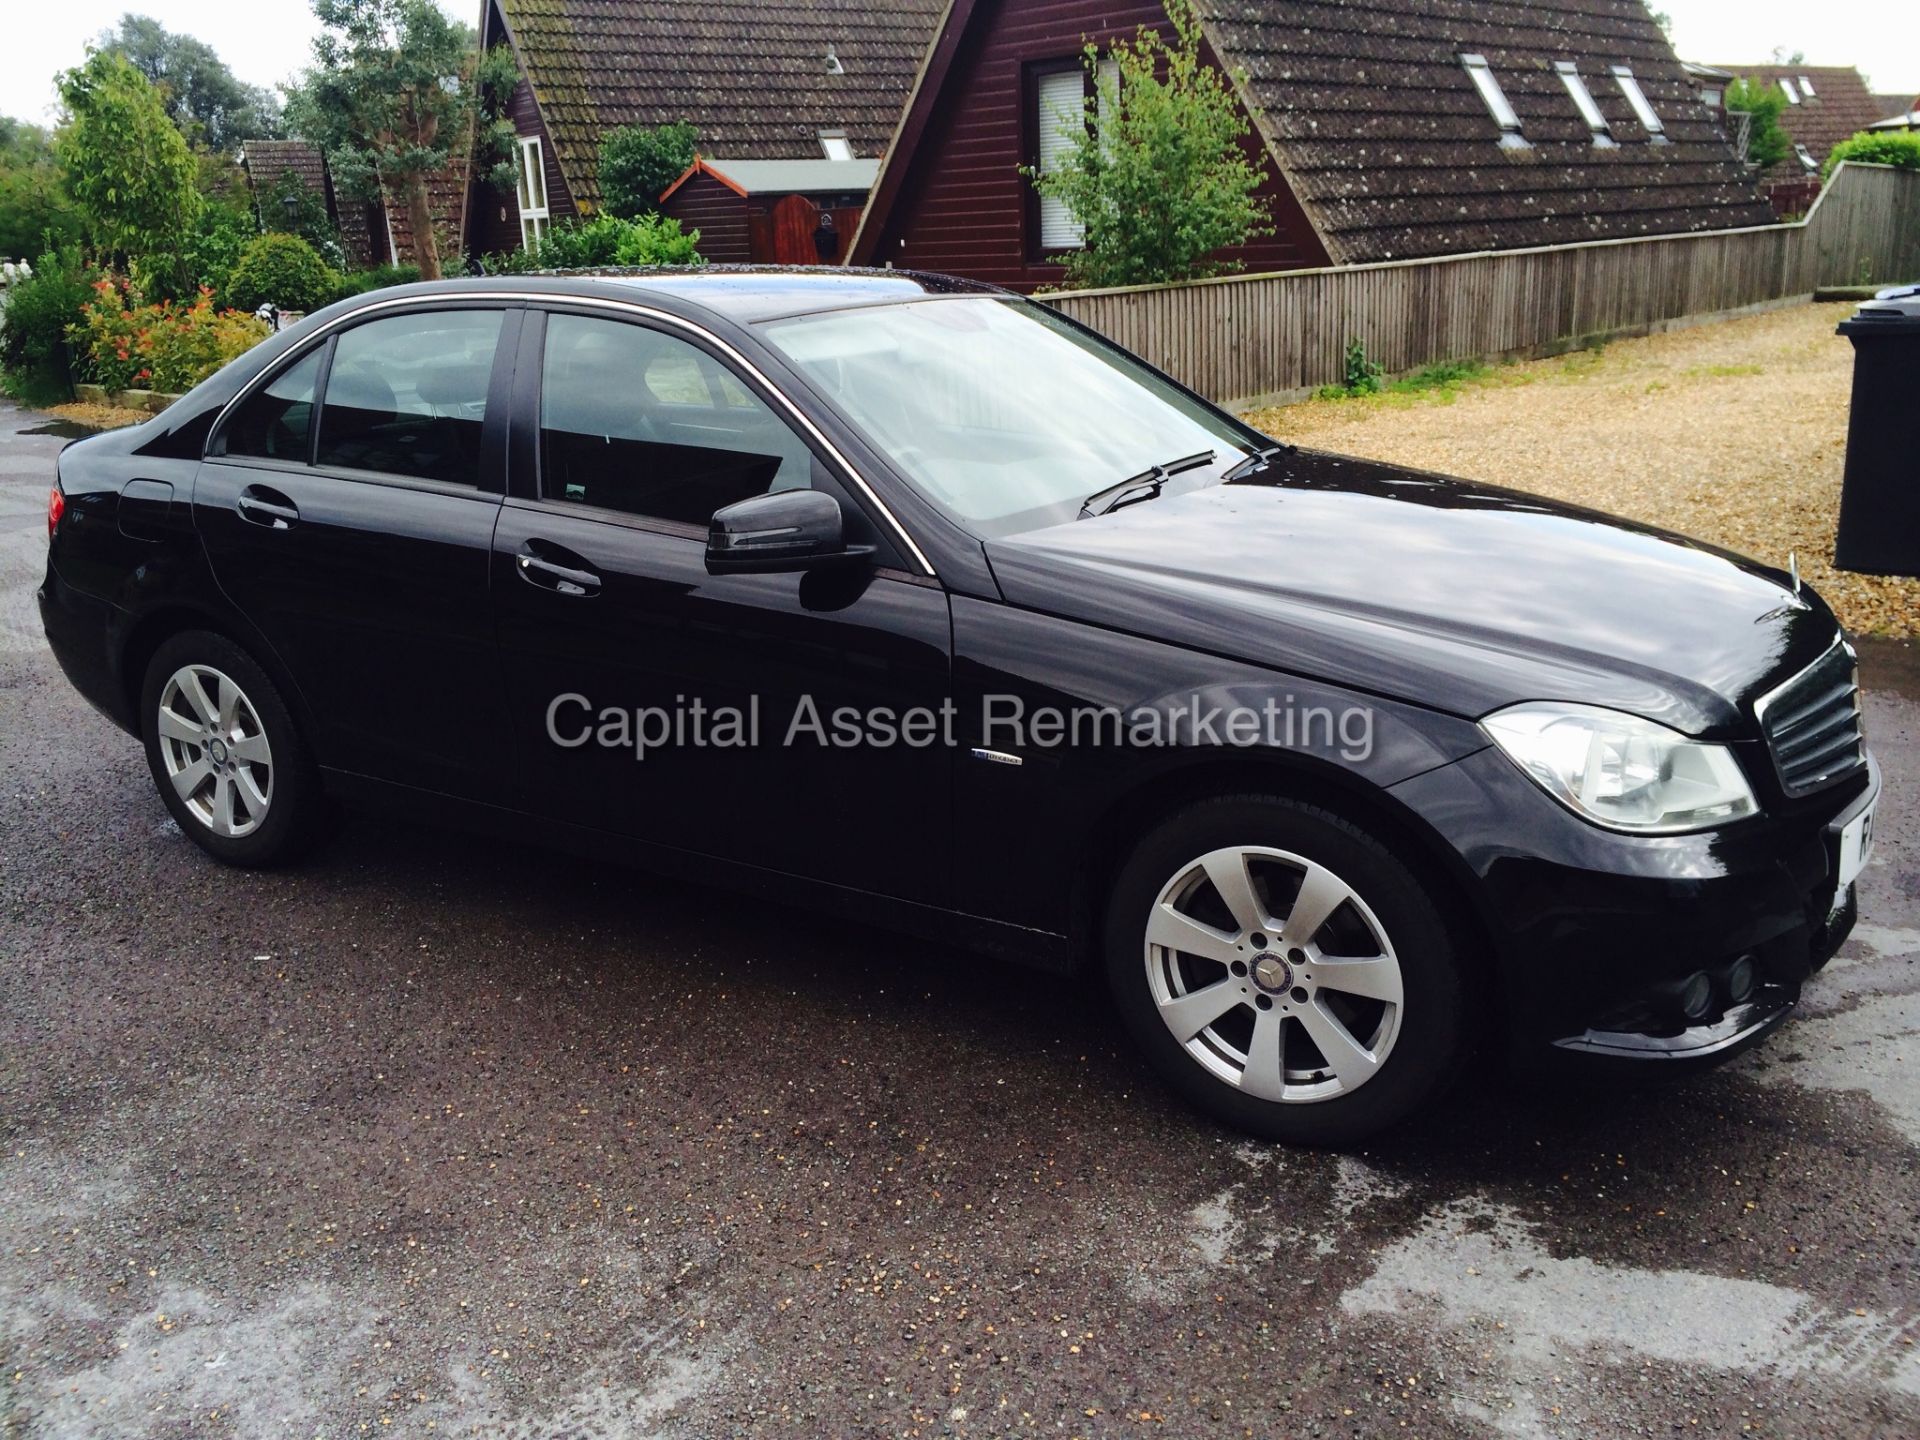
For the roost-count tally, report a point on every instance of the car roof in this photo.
(745, 294)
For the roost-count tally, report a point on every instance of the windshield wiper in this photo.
(1144, 486)
(1254, 463)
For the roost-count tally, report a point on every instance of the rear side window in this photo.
(276, 422)
(645, 423)
(407, 396)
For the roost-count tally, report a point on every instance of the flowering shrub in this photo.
(126, 344)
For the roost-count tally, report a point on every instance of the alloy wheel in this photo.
(215, 750)
(1273, 974)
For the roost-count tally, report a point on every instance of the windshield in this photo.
(1001, 413)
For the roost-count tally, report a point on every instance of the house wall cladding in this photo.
(1251, 337)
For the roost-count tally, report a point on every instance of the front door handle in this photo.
(261, 506)
(551, 575)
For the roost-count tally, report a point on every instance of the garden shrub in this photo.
(600, 242)
(377, 278)
(283, 271)
(1899, 148)
(126, 344)
(638, 162)
(34, 325)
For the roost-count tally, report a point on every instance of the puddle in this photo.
(65, 429)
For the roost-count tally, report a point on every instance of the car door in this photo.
(347, 506)
(633, 436)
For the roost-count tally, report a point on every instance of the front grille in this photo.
(1812, 724)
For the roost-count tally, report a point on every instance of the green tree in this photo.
(35, 212)
(388, 97)
(1899, 148)
(1156, 176)
(637, 162)
(127, 165)
(203, 97)
(1767, 143)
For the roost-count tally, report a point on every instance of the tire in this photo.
(1274, 1062)
(245, 788)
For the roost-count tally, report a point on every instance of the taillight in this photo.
(56, 507)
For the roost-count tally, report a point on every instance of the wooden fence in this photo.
(1247, 338)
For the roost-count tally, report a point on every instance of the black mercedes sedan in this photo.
(912, 599)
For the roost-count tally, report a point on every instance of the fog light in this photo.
(1696, 996)
(1740, 980)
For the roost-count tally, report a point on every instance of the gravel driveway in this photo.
(1734, 432)
(438, 1136)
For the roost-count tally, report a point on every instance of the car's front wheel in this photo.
(1285, 971)
(225, 754)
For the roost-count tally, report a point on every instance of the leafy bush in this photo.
(603, 241)
(125, 343)
(378, 278)
(33, 327)
(283, 271)
(1361, 375)
(637, 162)
(1900, 148)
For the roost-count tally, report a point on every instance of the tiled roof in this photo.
(1841, 106)
(753, 77)
(268, 160)
(1380, 131)
(1892, 105)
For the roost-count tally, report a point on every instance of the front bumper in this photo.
(1594, 931)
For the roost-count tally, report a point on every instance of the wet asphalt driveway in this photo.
(437, 1136)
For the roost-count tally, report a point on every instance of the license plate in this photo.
(1856, 844)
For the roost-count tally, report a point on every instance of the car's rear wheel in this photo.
(1285, 971)
(225, 754)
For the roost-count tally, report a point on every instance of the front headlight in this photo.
(1621, 771)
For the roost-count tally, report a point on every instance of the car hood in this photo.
(1458, 596)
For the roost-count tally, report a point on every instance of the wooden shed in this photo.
(774, 212)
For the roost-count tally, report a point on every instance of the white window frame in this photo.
(1790, 90)
(1643, 110)
(1806, 87)
(835, 145)
(1495, 99)
(1805, 156)
(530, 183)
(1583, 101)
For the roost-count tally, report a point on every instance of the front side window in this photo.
(999, 411)
(645, 423)
(531, 183)
(407, 395)
(276, 421)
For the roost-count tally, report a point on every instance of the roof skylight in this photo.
(1792, 90)
(1583, 102)
(1806, 87)
(1636, 97)
(1496, 101)
(835, 145)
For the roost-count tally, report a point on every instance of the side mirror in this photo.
(786, 531)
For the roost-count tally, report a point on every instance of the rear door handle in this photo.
(551, 575)
(269, 508)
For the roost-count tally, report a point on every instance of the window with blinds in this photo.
(1060, 99)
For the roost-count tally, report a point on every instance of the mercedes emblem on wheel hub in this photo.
(1272, 974)
(217, 751)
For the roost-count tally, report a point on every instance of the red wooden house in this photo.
(1390, 129)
